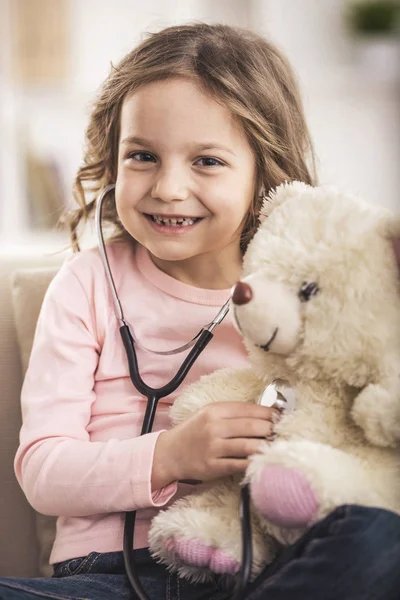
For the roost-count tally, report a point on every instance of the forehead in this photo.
(179, 111)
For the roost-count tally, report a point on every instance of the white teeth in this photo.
(173, 222)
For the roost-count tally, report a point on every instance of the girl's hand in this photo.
(214, 442)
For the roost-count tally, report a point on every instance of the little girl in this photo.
(194, 127)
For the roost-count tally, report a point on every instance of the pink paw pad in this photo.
(193, 552)
(284, 497)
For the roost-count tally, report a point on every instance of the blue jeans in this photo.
(353, 554)
(101, 576)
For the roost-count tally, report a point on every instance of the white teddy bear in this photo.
(319, 309)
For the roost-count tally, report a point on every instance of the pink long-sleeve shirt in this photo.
(81, 457)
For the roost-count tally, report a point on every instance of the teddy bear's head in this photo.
(320, 292)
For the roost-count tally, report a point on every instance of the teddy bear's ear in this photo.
(283, 192)
(392, 232)
(396, 243)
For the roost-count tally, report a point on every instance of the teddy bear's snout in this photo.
(242, 293)
(267, 313)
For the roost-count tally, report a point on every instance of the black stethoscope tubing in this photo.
(153, 395)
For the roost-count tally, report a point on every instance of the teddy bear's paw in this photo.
(195, 553)
(284, 496)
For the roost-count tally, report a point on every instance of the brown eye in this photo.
(308, 290)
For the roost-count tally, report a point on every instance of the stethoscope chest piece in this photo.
(278, 394)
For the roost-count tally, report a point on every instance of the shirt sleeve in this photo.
(61, 471)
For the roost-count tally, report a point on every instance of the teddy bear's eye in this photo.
(308, 290)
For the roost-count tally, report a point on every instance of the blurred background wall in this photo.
(54, 54)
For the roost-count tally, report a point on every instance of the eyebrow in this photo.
(132, 139)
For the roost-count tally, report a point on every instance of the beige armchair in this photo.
(25, 536)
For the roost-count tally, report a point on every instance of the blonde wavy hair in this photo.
(237, 68)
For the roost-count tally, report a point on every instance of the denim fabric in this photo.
(353, 554)
(101, 576)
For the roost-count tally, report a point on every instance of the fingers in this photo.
(237, 410)
(217, 440)
(232, 466)
(245, 428)
(239, 447)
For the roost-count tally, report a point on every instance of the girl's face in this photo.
(182, 156)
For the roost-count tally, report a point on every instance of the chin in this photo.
(173, 256)
(170, 254)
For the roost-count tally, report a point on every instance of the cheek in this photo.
(120, 197)
(241, 196)
(127, 195)
(230, 201)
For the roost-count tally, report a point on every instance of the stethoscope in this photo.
(153, 395)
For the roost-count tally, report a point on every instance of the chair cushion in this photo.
(28, 289)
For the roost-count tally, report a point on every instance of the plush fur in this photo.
(339, 350)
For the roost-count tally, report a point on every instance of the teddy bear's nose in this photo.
(242, 293)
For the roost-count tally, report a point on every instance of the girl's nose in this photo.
(170, 186)
(242, 293)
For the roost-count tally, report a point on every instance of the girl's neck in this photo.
(206, 272)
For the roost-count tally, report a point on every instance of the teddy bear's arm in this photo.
(224, 385)
(376, 410)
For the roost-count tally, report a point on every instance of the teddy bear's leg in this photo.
(201, 531)
(200, 535)
(198, 553)
(295, 483)
(289, 500)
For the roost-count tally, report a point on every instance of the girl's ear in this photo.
(278, 195)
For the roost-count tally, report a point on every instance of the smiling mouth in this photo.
(267, 346)
(174, 221)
